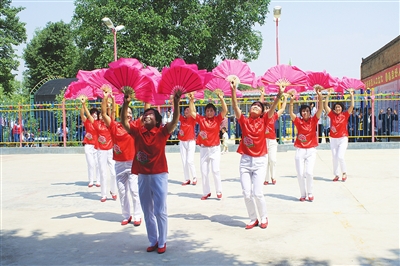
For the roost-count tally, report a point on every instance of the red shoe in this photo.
(302, 199)
(194, 182)
(137, 223)
(311, 198)
(152, 248)
(264, 225)
(206, 196)
(186, 183)
(103, 199)
(219, 195)
(90, 185)
(344, 177)
(114, 196)
(265, 183)
(273, 181)
(336, 179)
(250, 226)
(125, 222)
(97, 185)
(162, 250)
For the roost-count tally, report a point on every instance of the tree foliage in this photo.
(157, 32)
(12, 33)
(51, 52)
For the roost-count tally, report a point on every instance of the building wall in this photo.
(385, 57)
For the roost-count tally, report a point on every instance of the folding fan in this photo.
(349, 83)
(131, 62)
(223, 85)
(233, 68)
(80, 88)
(285, 76)
(320, 79)
(179, 77)
(129, 79)
(155, 75)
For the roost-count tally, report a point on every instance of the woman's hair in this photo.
(304, 107)
(95, 110)
(210, 105)
(156, 114)
(340, 104)
(260, 104)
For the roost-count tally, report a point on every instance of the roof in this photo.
(49, 90)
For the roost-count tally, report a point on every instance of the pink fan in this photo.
(199, 94)
(126, 62)
(179, 77)
(78, 89)
(286, 76)
(130, 79)
(223, 85)
(349, 83)
(233, 68)
(155, 75)
(320, 79)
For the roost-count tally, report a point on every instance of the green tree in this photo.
(51, 52)
(157, 32)
(12, 33)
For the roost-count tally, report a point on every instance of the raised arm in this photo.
(192, 108)
(320, 103)
(262, 92)
(351, 107)
(276, 101)
(86, 111)
(124, 109)
(326, 103)
(283, 107)
(82, 112)
(175, 117)
(235, 106)
(292, 115)
(104, 107)
(224, 110)
(113, 107)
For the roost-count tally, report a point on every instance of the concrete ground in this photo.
(50, 217)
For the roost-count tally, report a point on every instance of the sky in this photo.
(313, 35)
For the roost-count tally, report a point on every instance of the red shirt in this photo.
(339, 122)
(253, 136)
(91, 134)
(270, 127)
(123, 148)
(150, 150)
(104, 141)
(186, 130)
(306, 132)
(209, 130)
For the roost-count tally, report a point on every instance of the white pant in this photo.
(338, 148)
(92, 163)
(252, 172)
(105, 158)
(153, 191)
(272, 146)
(305, 160)
(187, 149)
(127, 183)
(210, 156)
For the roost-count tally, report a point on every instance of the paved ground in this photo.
(50, 217)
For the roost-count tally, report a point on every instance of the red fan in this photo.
(155, 75)
(320, 79)
(130, 62)
(286, 76)
(349, 83)
(179, 77)
(229, 69)
(78, 89)
(223, 85)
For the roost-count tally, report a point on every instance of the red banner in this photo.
(386, 76)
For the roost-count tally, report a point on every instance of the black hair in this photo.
(389, 109)
(210, 105)
(340, 104)
(267, 105)
(304, 107)
(156, 114)
(95, 110)
(261, 104)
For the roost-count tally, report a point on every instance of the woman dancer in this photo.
(338, 135)
(306, 143)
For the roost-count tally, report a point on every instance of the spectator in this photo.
(387, 121)
(224, 140)
(17, 130)
(367, 124)
(352, 126)
(60, 134)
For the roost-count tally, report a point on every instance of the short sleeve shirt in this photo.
(104, 141)
(253, 136)
(209, 130)
(150, 150)
(339, 122)
(123, 143)
(306, 132)
(91, 134)
(186, 130)
(270, 127)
